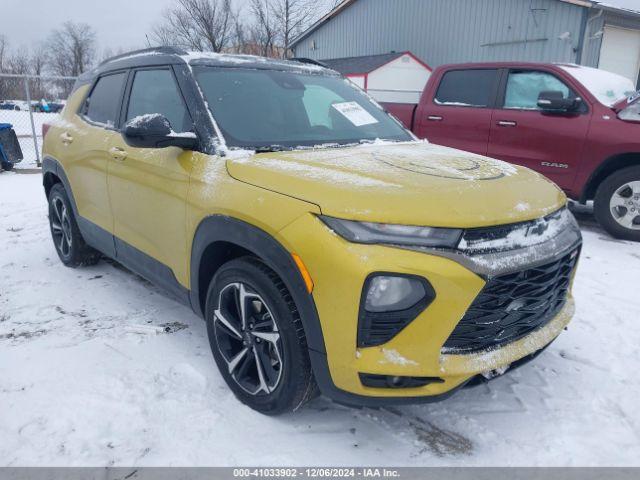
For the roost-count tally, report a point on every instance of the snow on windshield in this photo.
(608, 88)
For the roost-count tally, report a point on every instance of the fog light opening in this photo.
(393, 293)
(390, 302)
(395, 381)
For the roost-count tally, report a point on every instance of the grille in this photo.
(512, 306)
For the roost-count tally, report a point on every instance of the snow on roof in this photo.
(210, 58)
(624, 5)
(249, 60)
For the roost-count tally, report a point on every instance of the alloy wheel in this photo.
(61, 227)
(625, 205)
(248, 339)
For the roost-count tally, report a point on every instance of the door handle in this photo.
(435, 118)
(66, 138)
(507, 123)
(118, 154)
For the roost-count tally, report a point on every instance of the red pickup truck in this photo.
(579, 126)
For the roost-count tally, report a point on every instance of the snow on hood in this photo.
(413, 183)
(608, 88)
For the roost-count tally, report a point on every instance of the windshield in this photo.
(608, 88)
(266, 109)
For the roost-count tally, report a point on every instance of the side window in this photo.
(524, 87)
(467, 88)
(155, 91)
(103, 103)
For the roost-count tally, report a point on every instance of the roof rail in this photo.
(169, 50)
(309, 61)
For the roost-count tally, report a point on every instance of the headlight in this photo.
(631, 113)
(384, 233)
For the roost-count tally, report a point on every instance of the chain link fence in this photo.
(26, 102)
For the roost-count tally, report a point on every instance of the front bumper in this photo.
(339, 269)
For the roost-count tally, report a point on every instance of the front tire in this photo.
(67, 239)
(257, 339)
(617, 204)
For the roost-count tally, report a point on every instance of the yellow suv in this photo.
(325, 247)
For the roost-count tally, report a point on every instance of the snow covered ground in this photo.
(85, 381)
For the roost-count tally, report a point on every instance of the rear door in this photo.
(148, 186)
(550, 143)
(457, 113)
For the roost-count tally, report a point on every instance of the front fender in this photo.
(220, 228)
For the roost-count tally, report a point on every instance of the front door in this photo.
(521, 133)
(148, 187)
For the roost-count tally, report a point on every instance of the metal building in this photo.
(587, 32)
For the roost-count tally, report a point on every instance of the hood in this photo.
(413, 183)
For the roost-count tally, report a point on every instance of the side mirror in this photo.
(554, 102)
(154, 131)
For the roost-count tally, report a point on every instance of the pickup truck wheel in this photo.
(617, 204)
(67, 239)
(257, 339)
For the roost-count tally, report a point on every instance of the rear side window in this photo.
(103, 103)
(467, 88)
(155, 91)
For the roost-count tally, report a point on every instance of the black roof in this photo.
(175, 56)
(366, 64)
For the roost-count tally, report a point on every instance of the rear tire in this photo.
(67, 239)
(617, 204)
(259, 347)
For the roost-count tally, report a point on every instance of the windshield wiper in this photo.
(371, 142)
(270, 148)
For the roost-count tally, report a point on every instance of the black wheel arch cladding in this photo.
(224, 229)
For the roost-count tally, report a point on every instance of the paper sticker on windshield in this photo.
(355, 113)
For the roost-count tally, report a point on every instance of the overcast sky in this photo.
(118, 23)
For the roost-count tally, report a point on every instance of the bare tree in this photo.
(109, 52)
(203, 25)
(37, 64)
(4, 51)
(292, 16)
(263, 31)
(19, 63)
(71, 49)
(276, 23)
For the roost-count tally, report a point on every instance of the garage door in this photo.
(620, 52)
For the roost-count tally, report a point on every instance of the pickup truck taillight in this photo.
(45, 129)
